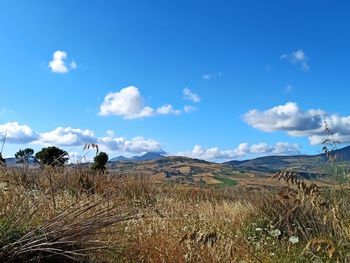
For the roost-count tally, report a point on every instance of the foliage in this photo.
(52, 156)
(2, 160)
(23, 156)
(100, 161)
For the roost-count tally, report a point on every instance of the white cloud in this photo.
(210, 76)
(16, 133)
(73, 65)
(129, 104)
(298, 58)
(140, 144)
(75, 137)
(189, 109)
(189, 95)
(167, 109)
(67, 137)
(243, 150)
(58, 64)
(286, 117)
(136, 145)
(296, 122)
(79, 157)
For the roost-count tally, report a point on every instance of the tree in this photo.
(100, 162)
(52, 156)
(2, 160)
(23, 156)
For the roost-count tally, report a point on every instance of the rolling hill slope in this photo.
(302, 163)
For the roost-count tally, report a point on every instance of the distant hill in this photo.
(13, 162)
(303, 163)
(179, 169)
(145, 157)
(117, 159)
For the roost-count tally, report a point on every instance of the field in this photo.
(74, 215)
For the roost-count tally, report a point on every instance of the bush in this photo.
(100, 162)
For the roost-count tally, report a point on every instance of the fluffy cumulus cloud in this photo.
(59, 63)
(243, 150)
(16, 133)
(136, 145)
(74, 137)
(190, 95)
(297, 122)
(298, 58)
(67, 137)
(129, 104)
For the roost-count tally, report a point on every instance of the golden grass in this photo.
(69, 215)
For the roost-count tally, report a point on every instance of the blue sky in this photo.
(215, 80)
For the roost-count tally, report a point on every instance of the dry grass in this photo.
(62, 215)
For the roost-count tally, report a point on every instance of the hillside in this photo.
(313, 164)
(180, 169)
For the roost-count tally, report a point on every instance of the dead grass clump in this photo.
(70, 229)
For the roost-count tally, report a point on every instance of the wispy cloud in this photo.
(211, 76)
(298, 58)
(190, 95)
(59, 63)
(188, 108)
(5, 111)
(167, 109)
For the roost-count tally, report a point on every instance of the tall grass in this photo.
(76, 215)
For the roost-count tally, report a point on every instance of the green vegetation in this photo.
(100, 161)
(2, 160)
(226, 181)
(23, 156)
(52, 156)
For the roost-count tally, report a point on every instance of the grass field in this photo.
(226, 181)
(70, 215)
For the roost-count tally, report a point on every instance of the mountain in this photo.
(145, 157)
(11, 161)
(149, 156)
(118, 158)
(303, 163)
(343, 154)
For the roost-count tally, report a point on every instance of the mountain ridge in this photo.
(148, 156)
(275, 163)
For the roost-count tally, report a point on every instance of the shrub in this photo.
(100, 162)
